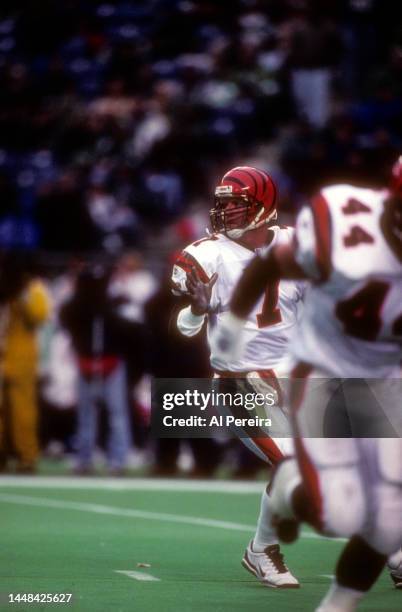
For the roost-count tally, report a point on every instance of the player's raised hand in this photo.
(199, 292)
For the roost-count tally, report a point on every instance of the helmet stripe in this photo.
(264, 178)
(253, 177)
(268, 180)
(235, 180)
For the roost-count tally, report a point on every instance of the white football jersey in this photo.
(352, 321)
(270, 324)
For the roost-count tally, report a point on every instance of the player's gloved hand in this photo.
(226, 340)
(199, 292)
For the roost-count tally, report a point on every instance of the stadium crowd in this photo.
(116, 121)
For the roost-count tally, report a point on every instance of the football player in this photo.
(243, 221)
(348, 243)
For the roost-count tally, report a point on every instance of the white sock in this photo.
(265, 535)
(340, 599)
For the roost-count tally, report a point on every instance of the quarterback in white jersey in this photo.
(349, 244)
(243, 220)
(271, 321)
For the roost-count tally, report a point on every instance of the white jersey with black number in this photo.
(270, 324)
(352, 321)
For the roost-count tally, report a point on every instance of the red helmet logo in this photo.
(244, 200)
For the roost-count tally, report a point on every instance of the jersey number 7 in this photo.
(270, 313)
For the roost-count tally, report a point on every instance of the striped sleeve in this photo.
(183, 266)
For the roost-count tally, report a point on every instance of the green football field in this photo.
(151, 545)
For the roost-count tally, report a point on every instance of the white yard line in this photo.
(133, 484)
(142, 576)
(46, 502)
(329, 576)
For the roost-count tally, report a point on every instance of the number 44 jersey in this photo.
(270, 324)
(352, 321)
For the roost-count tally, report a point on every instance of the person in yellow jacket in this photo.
(22, 315)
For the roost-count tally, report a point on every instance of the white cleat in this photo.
(395, 568)
(269, 568)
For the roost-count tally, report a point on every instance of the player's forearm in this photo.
(188, 323)
(252, 285)
(279, 264)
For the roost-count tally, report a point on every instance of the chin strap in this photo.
(255, 224)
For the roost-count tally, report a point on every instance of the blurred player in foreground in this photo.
(349, 244)
(244, 222)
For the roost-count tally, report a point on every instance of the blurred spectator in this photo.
(113, 219)
(59, 371)
(132, 285)
(98, 336)
(22, 315)
(313, 46)
(115, 103)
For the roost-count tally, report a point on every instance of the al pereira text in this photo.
(215, 421)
